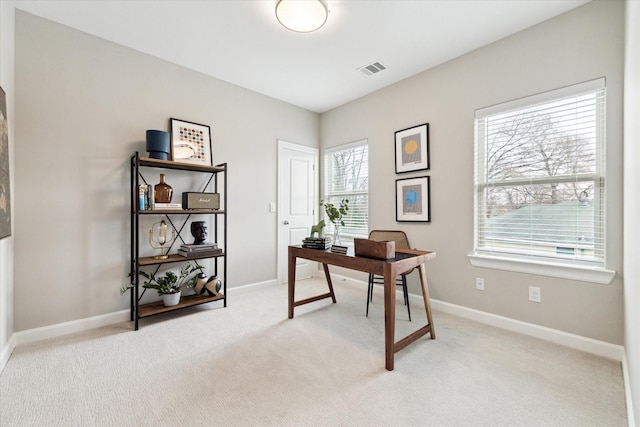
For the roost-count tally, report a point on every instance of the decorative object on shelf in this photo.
(158, 144)
(318, 229)
(162, 191)
(336, 216)
(200, 200)
(159, 238)
(413, 202)
(5, 195)
(191, 143)
(170, 283)
(412, 149)
(169, 300)
(213, 286)
(199, 232)
(201, 280)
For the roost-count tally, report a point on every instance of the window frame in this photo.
(531, 263)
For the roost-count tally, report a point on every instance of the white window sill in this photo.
(563, 271)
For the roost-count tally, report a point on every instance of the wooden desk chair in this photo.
(402, 242)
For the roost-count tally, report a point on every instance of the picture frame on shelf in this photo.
(412, 149)
(190, 143)
(413, 199)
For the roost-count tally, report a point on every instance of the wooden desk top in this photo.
(405, 259)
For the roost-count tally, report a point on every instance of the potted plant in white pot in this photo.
(170, 285)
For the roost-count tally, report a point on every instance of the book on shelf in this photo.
(198, 248)
(198, 254)
(161, 206)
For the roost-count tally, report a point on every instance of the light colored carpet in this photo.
(248, 365)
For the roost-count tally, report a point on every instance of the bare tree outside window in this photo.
(540, 185)
(347, 177)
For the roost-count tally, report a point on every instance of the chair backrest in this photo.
(400, 237)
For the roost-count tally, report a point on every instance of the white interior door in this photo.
(297, 184)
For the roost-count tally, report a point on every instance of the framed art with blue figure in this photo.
(413, 202)
(5, 194)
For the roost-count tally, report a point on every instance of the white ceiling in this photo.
(241, 42)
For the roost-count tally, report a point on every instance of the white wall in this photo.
(632, 202)
(580, 45)
(6, 244)
(82, 109)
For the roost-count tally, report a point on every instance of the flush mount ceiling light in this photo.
(302, 16)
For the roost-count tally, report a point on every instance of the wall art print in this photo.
(412, 149)
(413, 199)
(5, 196)
(191, 143)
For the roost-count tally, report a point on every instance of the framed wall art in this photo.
(413, 202)
(412, 149)
(5, 196)
(191, 143)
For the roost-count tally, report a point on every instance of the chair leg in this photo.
(406, 295)
(369, 292)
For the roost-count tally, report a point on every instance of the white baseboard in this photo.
(627, 391)
(589, 345)
(60, 329)
(5, 354)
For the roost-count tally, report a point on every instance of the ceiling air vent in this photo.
(372, 69)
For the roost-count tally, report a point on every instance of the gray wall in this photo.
(6, 244)
(580, 45)
(632, 202)
(83, 105)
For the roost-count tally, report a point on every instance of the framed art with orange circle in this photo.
(191, 143)
(412, 149)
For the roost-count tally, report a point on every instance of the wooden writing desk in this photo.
(405, 260)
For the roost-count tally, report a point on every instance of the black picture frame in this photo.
(413, 199)
(412, 149)
(190, 142)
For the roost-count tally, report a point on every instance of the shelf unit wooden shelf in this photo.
(138, 310)
(151, 309)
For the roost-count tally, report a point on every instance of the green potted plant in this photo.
(336, 215)
(170, 285)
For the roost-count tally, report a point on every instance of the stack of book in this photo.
(316, 243)
(200, 251)
(336, 249)
(165, 206)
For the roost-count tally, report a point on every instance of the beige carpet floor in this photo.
(248, 365)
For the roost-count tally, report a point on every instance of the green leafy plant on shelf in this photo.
(170, 282)
(335, 214)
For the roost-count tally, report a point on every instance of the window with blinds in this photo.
(539, 177)
(346, 176)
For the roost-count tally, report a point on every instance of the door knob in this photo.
(285, 222)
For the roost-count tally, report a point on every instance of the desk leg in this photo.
(389, 314)
(328, 276)
(291, 284)
(425, 296)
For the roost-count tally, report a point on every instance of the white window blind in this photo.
(539, 181)
(346, 176)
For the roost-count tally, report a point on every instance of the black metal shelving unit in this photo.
(176, 219)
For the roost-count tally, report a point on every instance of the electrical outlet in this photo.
(534, 294)
(480, 283)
